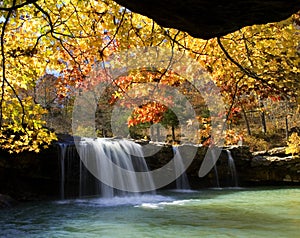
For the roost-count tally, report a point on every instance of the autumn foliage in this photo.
(69, 39)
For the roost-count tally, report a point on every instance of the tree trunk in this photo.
(246, 120)
(286, 127)
(173, 133)
(263, 118)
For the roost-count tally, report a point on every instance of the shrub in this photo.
(256, 144)
(293, 144)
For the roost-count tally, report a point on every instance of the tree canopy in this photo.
(68, 38)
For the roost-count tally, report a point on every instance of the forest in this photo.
(51, 50)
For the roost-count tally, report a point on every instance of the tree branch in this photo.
(184, 47)
(4, 79)
(234, 97)
(246, 71)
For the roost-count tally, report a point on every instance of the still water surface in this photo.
(259, 212)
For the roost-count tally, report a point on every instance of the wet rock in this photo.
(278, 151)
(260, 161)
(262, 152)
(272, 168)
(6, 201)
(287, 178)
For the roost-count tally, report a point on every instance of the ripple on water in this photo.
(206, 213)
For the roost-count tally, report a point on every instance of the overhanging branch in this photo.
(4, 79)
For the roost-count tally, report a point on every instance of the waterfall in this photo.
(182, 181)
(232, 169)
(68, 167)
(214, 158)
(217, 176)
(84, 178)
(62, 157)
(107, 159)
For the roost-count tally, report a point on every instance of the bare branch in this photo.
(115, 34)
(185, 47)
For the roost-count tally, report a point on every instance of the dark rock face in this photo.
(210, 18)
(6, 201)
(272, 168)
(263, 168)
(30, 176)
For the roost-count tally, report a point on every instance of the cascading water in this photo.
(182, 181)
(67, 157)
(216, 176)
(100, 155)
(103, 155)
(62, 157)
(87, 185)
(232, 169)
(214, 158)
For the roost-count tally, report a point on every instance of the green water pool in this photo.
(255, 212)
